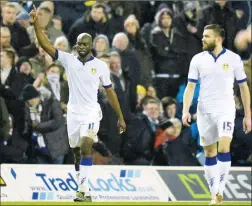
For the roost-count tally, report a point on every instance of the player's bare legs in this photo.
(224, 164)
(83, 193)
(211, 170)
(77, 157)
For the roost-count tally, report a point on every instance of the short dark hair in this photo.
(55, 65)
(167, 101)
(146, 100)
(217, 29)
(99, 5)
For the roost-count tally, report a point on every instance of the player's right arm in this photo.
(189, 91)
(42, 38)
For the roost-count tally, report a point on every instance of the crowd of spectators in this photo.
(147, 45)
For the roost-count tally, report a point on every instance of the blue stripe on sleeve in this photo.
(241, 81)
(192, 80)
(108, 86)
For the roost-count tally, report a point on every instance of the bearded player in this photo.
(216, 68)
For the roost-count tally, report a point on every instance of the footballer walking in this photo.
(216, 68)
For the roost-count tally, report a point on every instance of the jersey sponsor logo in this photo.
(93, 70)
(225, 67)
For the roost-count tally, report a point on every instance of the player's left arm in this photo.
(112, 97)
(245, 95)
(113, 100)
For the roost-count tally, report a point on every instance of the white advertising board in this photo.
(107, 183)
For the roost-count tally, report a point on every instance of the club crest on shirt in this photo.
(93, 71)
(203, 139)
(225, 67)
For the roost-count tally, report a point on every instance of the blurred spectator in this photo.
(151, 91)
(27, 5)
(139, 138)
(141, 94)
(61, 43)
(24, 66)
(179, 98)
(44, 126)
(23, 19)
(5, 38)
(186, 23)
(170, 107)
(100, 154)
(167, 153)
(52, 82)
(130, 67)
(57, 22)
(7, 66)
(115, 68)
(101, 45)
(243, 38)
(108, 133)
(94, 22)
(167, 54)
(19, 36)
(164, 133)
(40, 62)
(137, 42)
(4, 122)
(49, 5)
(220, 12)
(44, 21)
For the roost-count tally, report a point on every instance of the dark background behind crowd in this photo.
(147, 45)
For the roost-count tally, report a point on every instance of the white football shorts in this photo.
(77, 128)
(213, 126)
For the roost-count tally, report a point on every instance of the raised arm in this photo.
(42, 38)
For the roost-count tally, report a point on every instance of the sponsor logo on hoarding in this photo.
(192, 185)
(58, 183)
(42, 196)
(2, 182)
(114, 182)
(193, 181)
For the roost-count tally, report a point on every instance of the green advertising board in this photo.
(190, 184)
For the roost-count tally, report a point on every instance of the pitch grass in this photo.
(119, 203)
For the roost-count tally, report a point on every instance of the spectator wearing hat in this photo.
(101, 45)
(23, 19)
(168, 54)
(44, 126)
(185, 23)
